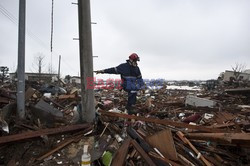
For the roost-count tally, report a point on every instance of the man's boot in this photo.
(131, 110)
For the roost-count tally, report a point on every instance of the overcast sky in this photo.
(175, 39)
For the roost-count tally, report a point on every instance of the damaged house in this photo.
(231, 75)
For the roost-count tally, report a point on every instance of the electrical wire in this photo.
(69, 66)
(14, 20)
(8, 15)
(33, 36)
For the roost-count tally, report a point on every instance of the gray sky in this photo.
(184, 39)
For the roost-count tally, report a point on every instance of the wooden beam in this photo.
(121, 154)
(163, 121)
(64, 143)
(29, 93)
(185, 161)
(232, 138)
(33, 134)
(142, 153)
(166, 160)
(186, 141)
(72, 96)
(164, 142)
(4, 100)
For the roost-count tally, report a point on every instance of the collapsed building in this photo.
(173, 126)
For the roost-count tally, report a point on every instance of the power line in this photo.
(8, 15)
(14, 20)
(69, 66)
(33, 36)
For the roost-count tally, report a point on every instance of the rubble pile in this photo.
(169, 127)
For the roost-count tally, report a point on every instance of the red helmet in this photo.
(134, 57)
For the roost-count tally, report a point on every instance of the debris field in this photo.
(170, 127)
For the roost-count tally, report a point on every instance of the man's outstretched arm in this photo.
(108, 71)
(113, 70)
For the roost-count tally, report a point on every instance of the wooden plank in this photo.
(29, 92)
(163, 121)
(185, 161)
(131, 162)
(4, 100)
(213, 160)
(221, 117)
(238, 90)
(186, 141)
(72, 96)
(132, 154)
(142, 153)
(232, 138)
(33, 134)
(229, 125)
(233, 124)
(120, 155)
(64, 143)
(164, 142)
(57, 104)
(141, 133)
(60, 146)
(166, 160)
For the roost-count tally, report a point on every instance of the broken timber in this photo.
(64, 143)
(121, 154)
(32, 134)
(231, 138)
(163, 121)
(166, 160)
(142, 153)
(199, 155)
(163, 141)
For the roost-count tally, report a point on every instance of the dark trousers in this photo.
(131, 100)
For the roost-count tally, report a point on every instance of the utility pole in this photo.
(21, 61)
(59, 67)
(86, 61)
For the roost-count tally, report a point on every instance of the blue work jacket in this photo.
(130, 75)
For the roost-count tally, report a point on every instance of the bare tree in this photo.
(237, 69)
(38, 63)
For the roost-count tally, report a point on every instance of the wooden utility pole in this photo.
(86, 61)
(21, 61)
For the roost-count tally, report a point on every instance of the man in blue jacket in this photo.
(131, 79)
